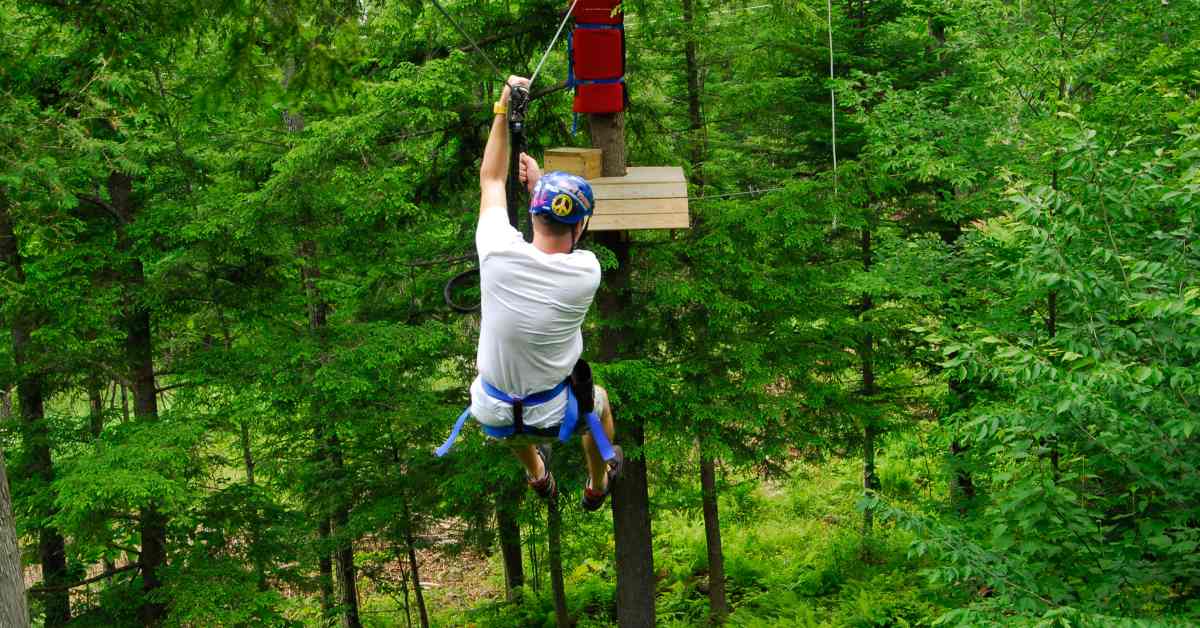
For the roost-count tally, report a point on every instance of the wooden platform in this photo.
(647, 197)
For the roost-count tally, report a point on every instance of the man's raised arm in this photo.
(494, 170)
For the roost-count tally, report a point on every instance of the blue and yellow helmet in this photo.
(564, 197)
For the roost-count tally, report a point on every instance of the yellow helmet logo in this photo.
(562, 205)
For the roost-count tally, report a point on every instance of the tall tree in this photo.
(31, 398)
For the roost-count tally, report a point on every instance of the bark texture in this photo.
(14, 610)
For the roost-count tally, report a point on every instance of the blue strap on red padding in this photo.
(614, 27)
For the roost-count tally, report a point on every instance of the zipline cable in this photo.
(485, 57)
(557, 33)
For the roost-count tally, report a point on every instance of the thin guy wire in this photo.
(552, 42)
(472, 42)
(832, 94)
(716, 196)
(833, 97)
(832, 107)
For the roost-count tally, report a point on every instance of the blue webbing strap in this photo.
(570, 420)
(594, 426)
(601, 27)
(601, 437)
(536, 399)
(458, 425)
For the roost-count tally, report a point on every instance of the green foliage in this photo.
(996, 292)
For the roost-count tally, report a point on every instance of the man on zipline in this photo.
(534, 299)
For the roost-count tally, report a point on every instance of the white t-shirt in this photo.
(533, 306)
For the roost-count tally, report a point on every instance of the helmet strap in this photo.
(575, 242)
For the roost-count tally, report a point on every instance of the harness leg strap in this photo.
(601, 437)
(518, 413)
(458, 425)
(571, 418)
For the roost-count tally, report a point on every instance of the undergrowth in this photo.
(794, 556)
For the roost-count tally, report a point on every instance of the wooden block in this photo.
(645, 198)
(584, 162)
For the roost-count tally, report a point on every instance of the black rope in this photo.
(453, 284)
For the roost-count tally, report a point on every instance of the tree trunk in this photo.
(404, 577)
(247, 455)
(14, 611)
(608, 134)
(557, 586)
(870, 478)
(416, 577)
(962, 486)
(145, 408)
(508, 501)
(329, 448)
(39, 464)
(695, 118)
(139, 355)
(718, 608)
(346, 574)
(867, 357)
(325, 568)
(5, 404)
(344, 555)
(1052, 330)
(631, 524)
(630, 494)
(535, 565)
(96, 409)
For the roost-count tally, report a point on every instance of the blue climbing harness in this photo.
(570, 419)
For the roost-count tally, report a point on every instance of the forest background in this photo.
(954, 381)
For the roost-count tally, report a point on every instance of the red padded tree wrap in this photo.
(598, 54)
(599, 98)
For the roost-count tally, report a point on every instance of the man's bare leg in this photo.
(597, 468)
(527, 454)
